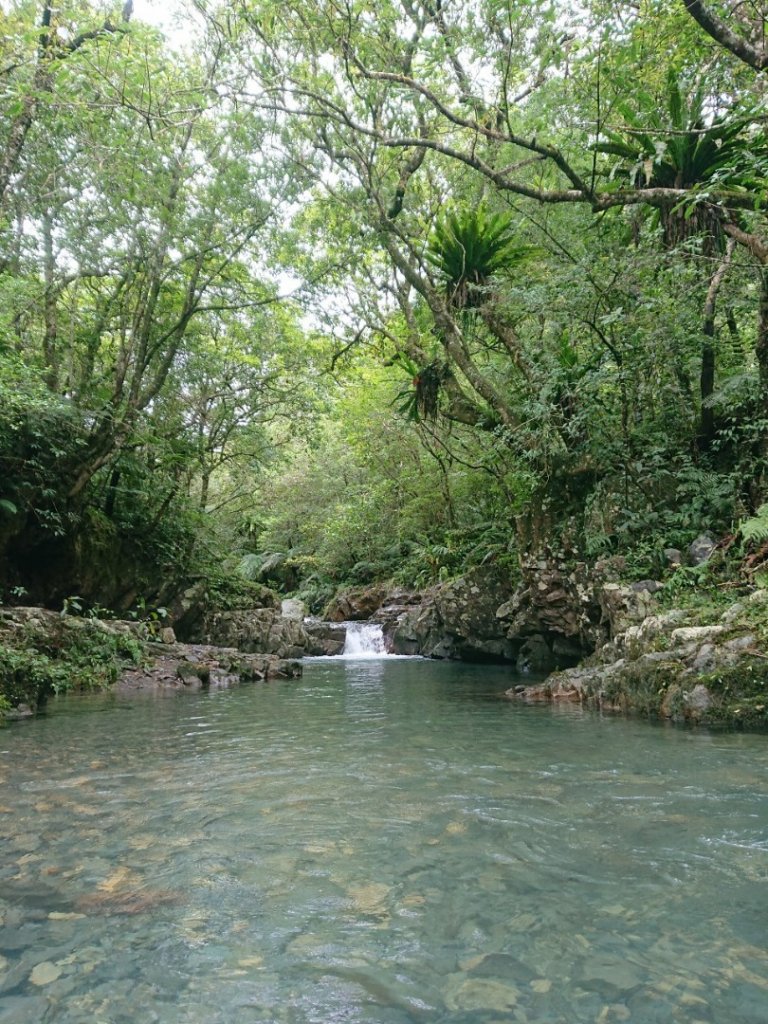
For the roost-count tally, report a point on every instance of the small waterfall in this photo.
(364, 640)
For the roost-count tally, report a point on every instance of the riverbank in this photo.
(624, 651)
(43, 653)
(681, 664)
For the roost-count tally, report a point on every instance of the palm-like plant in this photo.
(471, 247)
(674, 147)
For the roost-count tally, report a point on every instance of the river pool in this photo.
(382, 842)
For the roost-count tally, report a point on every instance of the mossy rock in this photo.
(641, 686)
(53, 654)
(739, 694)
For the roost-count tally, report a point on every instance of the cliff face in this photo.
(552, 618)
(699, 667)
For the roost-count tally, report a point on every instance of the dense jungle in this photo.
(383, 512)
(305, 297)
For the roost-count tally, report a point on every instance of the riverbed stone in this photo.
(23, 1009)
(610, 976)
(45, 973)
(478, 994)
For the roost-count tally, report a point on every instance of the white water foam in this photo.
(364, 640)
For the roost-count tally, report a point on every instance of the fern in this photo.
(470, 247)
(756, 527)
(250, 566)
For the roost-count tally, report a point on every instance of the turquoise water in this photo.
(382, 841)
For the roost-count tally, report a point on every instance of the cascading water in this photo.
(364, 640)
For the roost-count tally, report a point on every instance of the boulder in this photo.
(700, 634)
(457, 619)
(291, 608)
(697, 701)
(623, 606)
(700, 550)
(355, 604)
(324, 638)
(256, 630)
(192, 667)
(673, 556)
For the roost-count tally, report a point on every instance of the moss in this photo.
(739, 694)
(233, 593)
(60, 654)
(641, 687)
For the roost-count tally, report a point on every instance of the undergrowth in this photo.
(55, 656)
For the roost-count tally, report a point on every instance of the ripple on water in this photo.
(378, 844)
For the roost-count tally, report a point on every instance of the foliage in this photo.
(229, 592)
(676, 143)
(201, 364)
(47, 658)
(469, 247)
(754, 530)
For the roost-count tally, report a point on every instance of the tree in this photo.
(139, 229)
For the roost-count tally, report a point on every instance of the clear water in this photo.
(382, 841)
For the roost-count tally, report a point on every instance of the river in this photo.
(382, 842)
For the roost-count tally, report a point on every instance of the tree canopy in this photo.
(382, 294)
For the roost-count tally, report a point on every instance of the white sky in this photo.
(167, 15)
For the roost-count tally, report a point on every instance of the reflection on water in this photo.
(379, 842)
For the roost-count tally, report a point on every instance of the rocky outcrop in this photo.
(454, 620)
(326, 638)
(189, 609)
(257, 630)
(675, 667)
(190, 667)
(42, 651)
(555, 615)
(556, 601)
(355, 604)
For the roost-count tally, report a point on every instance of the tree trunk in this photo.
(761, 344)
(50, 354)
(708, 353)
